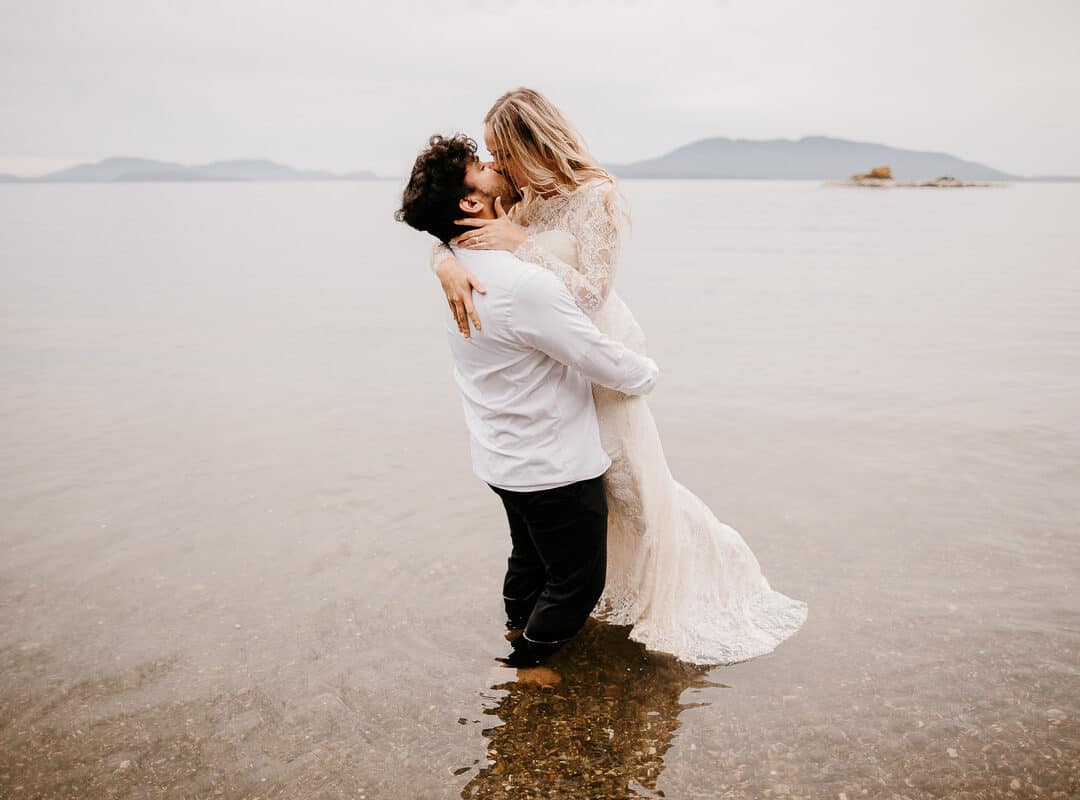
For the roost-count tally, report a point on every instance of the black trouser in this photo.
(556, 570)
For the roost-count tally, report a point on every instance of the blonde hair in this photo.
(530, 130)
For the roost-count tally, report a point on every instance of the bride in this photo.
(687, 583)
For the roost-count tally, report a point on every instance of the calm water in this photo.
(242, 554)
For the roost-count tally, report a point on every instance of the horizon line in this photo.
(60, 164)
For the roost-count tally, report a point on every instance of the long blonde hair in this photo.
(529, 129)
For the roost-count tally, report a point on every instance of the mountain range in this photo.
(809, 158)
(125, 170)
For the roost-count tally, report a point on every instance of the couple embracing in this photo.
(552, 370)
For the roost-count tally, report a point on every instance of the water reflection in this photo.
(595, 724)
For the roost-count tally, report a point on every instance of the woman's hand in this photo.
(500, 233)
(459, 283)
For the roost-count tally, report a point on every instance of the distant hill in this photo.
(810, 158)
(116, 170)
(111, 169)
(258, 170)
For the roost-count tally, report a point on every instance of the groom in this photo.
(525, 384)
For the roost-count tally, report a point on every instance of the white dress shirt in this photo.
(525, 377)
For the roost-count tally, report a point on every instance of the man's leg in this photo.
(525, 573)
(568, 527)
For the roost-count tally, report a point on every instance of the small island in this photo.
(881, 177)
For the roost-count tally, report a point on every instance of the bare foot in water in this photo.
(542, 676)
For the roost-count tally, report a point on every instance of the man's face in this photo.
(485, 184)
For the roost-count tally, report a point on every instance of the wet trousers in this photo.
(555, 573)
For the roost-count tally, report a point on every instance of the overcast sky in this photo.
(345, 85)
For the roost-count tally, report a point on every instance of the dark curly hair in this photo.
(436, 186)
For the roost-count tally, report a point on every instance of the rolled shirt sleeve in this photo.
(546, 317)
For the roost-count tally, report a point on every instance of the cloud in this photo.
(342, 85)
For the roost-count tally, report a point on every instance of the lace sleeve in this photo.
(440, 253)
(593, 219)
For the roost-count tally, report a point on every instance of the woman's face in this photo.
(506, 167)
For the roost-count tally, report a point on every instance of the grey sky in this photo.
(347, 85)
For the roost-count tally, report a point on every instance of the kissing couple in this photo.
(552, 371)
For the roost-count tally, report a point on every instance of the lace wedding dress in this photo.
(687, 583)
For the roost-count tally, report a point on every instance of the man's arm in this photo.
(546, 317)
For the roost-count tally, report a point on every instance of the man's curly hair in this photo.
(436, 186)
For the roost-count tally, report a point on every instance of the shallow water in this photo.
(243, 554)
